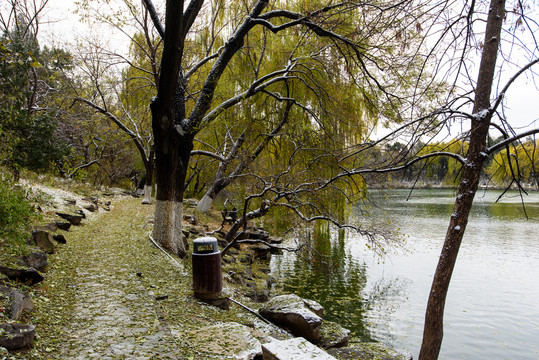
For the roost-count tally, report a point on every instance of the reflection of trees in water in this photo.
(382, 301)
(326, 273)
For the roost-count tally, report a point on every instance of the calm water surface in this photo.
(492, 309)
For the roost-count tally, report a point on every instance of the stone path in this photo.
(111, 294)
(104, 286)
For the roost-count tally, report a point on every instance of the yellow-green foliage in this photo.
(443, 168)
(519, 162)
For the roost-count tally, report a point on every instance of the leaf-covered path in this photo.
(100, 280)
(111, 294)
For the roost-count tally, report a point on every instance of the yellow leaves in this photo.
(520, 161)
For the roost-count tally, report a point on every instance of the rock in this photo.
(235, 277)
(255, 234)
(248, 273)
(225, 341)
(246, 257)
(36, 260)
(49, 227)
(91, 208)
(63, 226)
(22, 275)
(191, 219)
(197, 230)
(19, 301)
(260, 233)
(250, 284)
(190, 202)
(73, 219)
(259, 251)
(60, 239)
(368, 351)
(291, 312)
(314, 307)
(262, 251)
(16, 336)
(275, 241)
(258, 296)
(43, 239)
(91, 199)
(333, 335)
(270, 281)
(229, 259)
(296, 348)
(221, 302)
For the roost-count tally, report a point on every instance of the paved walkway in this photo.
(105, 288)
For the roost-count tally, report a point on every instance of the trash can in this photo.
(207, 279)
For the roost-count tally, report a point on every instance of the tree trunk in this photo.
(149, 179)
(172, 152)
(433, 329)
(172, 157)
(207, 200)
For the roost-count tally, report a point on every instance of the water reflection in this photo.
(491, 310)
(327, 273)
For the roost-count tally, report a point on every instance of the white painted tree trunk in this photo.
(147, 194)
(205, 203)
(168, 226)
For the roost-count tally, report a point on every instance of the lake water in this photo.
(492, 309)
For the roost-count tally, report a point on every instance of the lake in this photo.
(492, 309)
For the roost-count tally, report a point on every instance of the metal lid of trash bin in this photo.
(205, 245)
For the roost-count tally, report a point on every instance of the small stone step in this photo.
(296, 348)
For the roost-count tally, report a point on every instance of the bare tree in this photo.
(454, 37)
(121, 83)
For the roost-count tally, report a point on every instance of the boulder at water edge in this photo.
(293, 313)
(19, 301)
(333, 335)
(36, 260)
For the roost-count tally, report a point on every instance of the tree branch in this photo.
(155, 17)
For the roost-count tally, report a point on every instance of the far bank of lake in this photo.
(491, 311)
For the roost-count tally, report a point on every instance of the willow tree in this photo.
(519, 162)
(186, 100)
(316, 100)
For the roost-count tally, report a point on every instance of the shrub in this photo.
(16, 212)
